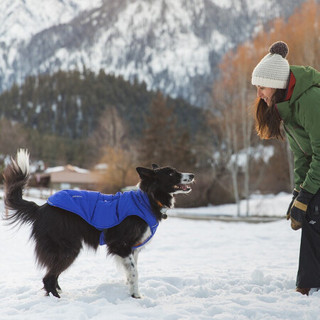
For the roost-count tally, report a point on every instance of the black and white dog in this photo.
(124, 222)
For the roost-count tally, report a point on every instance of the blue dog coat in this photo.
(104, 211)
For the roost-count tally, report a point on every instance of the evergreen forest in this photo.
(72, 116)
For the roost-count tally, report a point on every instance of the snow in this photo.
(23, 18)
(218, 40)
(54, 169)
(192, 269)
(259, 205)
(252, 5)
(258, 152)
(68, 167)
(261, 5)
(223, 4)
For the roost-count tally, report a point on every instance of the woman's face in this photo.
(266, 94)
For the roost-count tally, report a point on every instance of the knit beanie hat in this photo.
(273, 70)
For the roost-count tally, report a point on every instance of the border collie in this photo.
(124, 221)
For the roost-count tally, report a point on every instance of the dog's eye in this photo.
(171, 174)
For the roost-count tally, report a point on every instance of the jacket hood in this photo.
(306, 77)
(301, 118)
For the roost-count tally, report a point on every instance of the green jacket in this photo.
(301, 118)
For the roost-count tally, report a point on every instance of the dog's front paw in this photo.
(136, 295)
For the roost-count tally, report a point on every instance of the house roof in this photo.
(69, 174)
(67, 168)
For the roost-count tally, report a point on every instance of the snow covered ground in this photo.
(192, 269)
(259, 205)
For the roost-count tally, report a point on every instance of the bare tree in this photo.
(231, 95)
(120, 170)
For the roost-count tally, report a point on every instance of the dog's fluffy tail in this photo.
(16, 177)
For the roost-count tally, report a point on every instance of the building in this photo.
(66, 177)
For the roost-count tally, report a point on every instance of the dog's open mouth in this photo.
(182, 187)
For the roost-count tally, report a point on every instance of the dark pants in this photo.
(309, 261)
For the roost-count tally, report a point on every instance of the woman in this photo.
(290, 96)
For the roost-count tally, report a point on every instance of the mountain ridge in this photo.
(172, 45)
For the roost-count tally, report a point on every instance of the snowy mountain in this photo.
(21, 20)
(171, 45)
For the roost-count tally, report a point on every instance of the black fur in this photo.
(59, 234)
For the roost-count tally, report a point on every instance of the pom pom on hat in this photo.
(279, 47)
(273, 70)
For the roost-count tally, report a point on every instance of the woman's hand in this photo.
(295, 194)
(299, 208)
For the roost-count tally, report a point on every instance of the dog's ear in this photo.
(155, 166)
(145, 172)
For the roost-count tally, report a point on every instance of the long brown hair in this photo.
(267, 119)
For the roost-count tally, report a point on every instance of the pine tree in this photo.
(163, 142)
(158, 137)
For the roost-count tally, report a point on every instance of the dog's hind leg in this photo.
(50, 284)
(130, 266)
(50, 280)
(57, 286)
(56, 263)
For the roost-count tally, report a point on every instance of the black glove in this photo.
(299, 208)
(295, 194)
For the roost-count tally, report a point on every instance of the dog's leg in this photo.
(56, 261)
(57, 286)
(51, 284)
(135, 255)
(130, 267)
